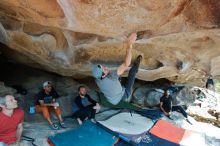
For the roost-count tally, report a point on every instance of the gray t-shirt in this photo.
(111, 87)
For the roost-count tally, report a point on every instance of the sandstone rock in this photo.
(150, 97)
(180, 38)
(186, 96)
(208, 111)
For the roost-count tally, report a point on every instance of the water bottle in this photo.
(32, 110)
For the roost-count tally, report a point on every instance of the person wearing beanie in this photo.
(108, 81)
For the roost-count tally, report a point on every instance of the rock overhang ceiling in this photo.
(181, 37)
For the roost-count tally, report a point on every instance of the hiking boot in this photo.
(54, 126)
(63, 125)
(138, 61)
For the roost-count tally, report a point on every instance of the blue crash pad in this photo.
(88, 134)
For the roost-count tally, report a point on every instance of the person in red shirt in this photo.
(11, 119)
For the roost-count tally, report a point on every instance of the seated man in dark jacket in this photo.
(84, 106)
(166, 103)
(166, 106)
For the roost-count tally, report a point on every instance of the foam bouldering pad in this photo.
(88, 134)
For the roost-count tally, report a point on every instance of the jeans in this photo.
(180, 109)
(130, 82)
(87, 112)
(176, 108)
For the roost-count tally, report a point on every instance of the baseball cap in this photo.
(46, 83)
(97, 71)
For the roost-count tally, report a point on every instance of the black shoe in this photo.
(169, 117)
(187, 120)
(54, 126)
(138, 61)
(63, 125)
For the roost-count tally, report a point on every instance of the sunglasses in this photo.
(100, 66)
(49, 86)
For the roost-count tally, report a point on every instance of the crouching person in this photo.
(11, 121)
(46, 103)
(84, 106)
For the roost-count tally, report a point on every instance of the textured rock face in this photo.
(181, 38)
(150, 97)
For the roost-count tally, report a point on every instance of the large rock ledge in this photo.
(180, 43)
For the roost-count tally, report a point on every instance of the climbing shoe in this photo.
(54, 126)
(138, 61)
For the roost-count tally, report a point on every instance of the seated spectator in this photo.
(84, 106)
(11, 121)
(46, 103)
(166, 106)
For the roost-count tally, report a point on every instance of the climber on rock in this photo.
(108, 81)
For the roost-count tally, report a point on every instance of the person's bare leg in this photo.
(60, 118)
(49, 121)
(58, 114)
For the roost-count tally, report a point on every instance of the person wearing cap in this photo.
(46, 103)
(108, 81)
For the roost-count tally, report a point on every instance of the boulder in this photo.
(178, 42)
